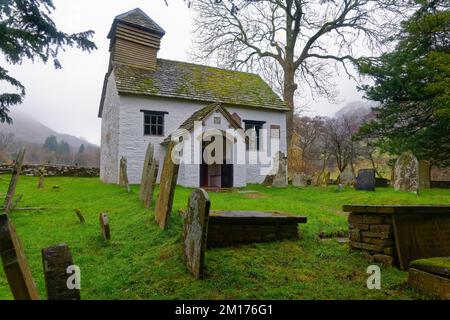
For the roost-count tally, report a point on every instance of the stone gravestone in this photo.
(104, 225)
(406, 173)
(14, 180)
(280, 178)
(41, 178)
(300, 179)
(365, 180)
(152, 175)
(424, 175)
(347, 178)
(196, 232)
(169, 176)
(56, 260)
(123, 175)
(15, 264)
(147, 164)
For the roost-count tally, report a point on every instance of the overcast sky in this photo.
(67, 100)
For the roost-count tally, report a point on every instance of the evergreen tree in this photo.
(51, 144)
(412, 84)
(28, 32)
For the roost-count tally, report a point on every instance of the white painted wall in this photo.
(132, 143)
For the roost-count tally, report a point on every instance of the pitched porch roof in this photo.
(201, 115)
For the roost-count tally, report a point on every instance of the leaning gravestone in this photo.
(280, 178)
(104, 226)
(152, 174)
(123, 175)
(406, 173)
(14, 180)
(147, 164)
(365, 180)
(300, 179)
(15, 264)
(169, 176)
(56, 260)
(196, 232)
(424, 175)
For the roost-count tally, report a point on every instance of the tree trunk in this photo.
(288, 97)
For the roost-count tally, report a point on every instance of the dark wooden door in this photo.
(227, 175)
(203, 175)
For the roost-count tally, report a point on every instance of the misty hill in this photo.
(29, 130)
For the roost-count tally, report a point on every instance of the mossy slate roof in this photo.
(173, 79)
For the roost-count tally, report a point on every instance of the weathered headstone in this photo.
(15, 264)
(41, 178)
(347, 178)
(280, 179)
(300, 179)
(168, 182)
(104, 226)
(56, 260)
(80, 215)
(424, 175)
(365, 180)
(152, 175)
(123, 175)
(14, 180)
(147, 164)
(196, 232)
(406, 173)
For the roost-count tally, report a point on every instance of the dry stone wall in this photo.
(53, 170)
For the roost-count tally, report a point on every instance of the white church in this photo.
(145, 99)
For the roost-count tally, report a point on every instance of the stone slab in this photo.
(397, 209)
(254, 217)
(55, 261)
(196, 232)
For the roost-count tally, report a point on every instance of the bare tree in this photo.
(292, 40)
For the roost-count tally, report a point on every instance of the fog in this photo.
(67, 100)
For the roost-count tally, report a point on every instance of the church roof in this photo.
(173, 79)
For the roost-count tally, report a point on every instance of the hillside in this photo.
(29, 130)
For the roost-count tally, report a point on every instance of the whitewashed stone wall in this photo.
(132, 143)
(109, 152)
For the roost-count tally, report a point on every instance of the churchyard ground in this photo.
(143, 262)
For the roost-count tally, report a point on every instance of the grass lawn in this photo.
(143, 262)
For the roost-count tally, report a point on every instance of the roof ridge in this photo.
(208, 66)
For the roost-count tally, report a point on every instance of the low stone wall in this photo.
(54, 170)
(373, 235)
(222, 235)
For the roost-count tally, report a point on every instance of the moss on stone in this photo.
(439, 262)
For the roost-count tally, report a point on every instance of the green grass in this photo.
(143, 262)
